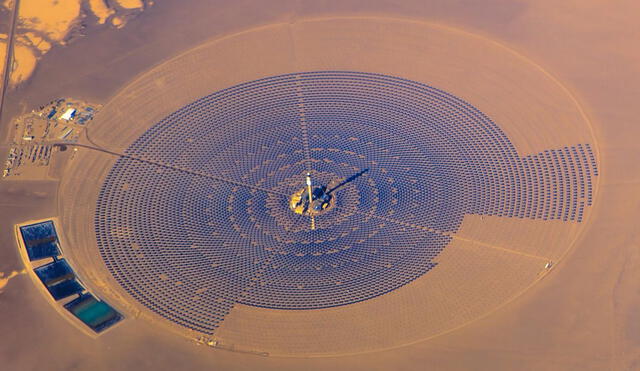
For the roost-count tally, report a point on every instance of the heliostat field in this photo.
(284, 207)
(195, 216)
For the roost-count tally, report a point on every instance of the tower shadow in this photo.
(348, 180)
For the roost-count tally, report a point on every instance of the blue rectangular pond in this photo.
(40, 240)
(96, 314)
(59, 279)
(65, 289)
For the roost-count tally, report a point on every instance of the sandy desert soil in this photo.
(45, 23)
(581, 316)
(54, 19)
(130, 4)
(4, 279)
(101, 10)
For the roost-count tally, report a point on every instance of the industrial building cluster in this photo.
(61, 120)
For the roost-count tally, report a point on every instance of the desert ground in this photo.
(550, 74)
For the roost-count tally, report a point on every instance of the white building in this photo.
(68, 114)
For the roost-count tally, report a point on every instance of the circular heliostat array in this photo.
(195, 216)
